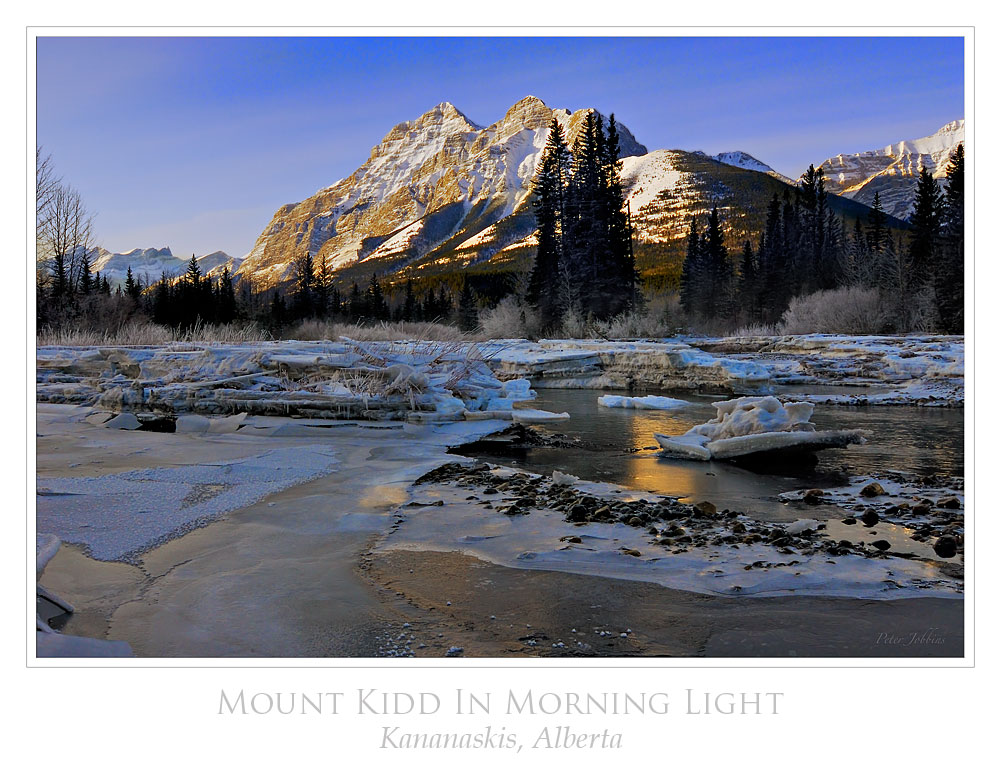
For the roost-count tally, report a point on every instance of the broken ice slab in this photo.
(756, 425)
(537, 416)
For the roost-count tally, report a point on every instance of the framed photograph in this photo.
(423, 353)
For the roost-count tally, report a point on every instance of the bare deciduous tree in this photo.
(66, 238)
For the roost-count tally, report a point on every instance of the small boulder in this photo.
(813, 496)
(870, 518)
(946, 547)
(577, 513)
(872, 489)
(705, 510)
(881, 545)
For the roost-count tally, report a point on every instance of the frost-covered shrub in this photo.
(314, 329)
(142, 333)
(754, 331)
(848, 310)
(660, 317)
(511, 318)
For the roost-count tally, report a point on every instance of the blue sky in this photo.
(193, 143)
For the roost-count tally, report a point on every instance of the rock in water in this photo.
(946, 547)
(872, 489)
(870, 518)
(705, 509)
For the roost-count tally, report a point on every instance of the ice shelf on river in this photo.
(754, 425)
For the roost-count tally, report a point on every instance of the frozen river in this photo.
(619, 449)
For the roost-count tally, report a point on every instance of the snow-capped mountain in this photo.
(893, 170)
(747, 162)
(439, 185)
(149, 264)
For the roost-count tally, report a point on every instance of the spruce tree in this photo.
(356, 303)
(550, 192)
(86, 278)
(162, 309)
(749, 280)
(693, 272)
(949, 287)
(193, 275)
(926, 222)
(226, 308)
(375, 302)
(302, 300)
(323, 282)
(718, 268)
(409, 309)
(132, 288)
(468, 314)
(876, 226)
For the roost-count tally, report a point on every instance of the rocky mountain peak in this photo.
(435, 181)
(893, 170)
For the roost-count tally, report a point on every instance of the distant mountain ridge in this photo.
(151, 263)
(893, 170)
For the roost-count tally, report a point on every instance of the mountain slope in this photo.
(747, 162)
(664, 189)
(893, 170)
(438, 184)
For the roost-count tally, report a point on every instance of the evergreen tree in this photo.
(59, 282)
(859, 269)
(468, 314)
(718, 269)
(926, 222)
(86, 278)
(302, 300)
(226, 301)
(876, 232)
(693, 272)
(162, 310)
(748, 289)
(410, 308)
(375, 302)
(550, 192)
(323, 288)
(356, 303)
(193, 275)
(949, 274)
(279, 312)
(132, 288)
(622, 266)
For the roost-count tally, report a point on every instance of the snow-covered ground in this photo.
(421, 381)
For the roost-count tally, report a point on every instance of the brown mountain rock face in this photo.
(439, 182)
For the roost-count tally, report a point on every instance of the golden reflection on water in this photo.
(654, 473)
